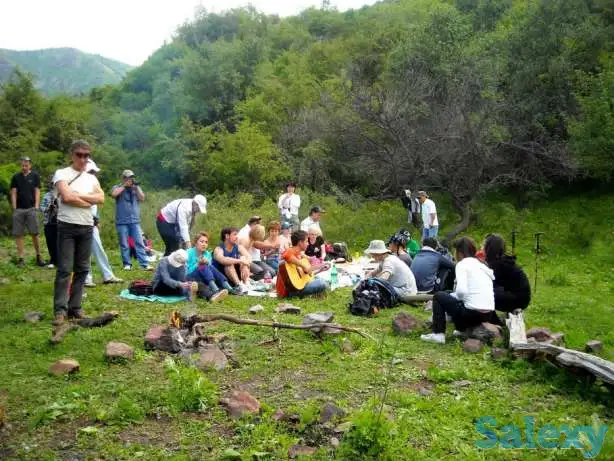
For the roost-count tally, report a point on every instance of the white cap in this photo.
(178, 258)
(201, 201)
(91, 166)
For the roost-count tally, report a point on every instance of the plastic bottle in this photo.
(333, 277)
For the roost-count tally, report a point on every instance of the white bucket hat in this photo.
(201, 201)
(377, 247)
(178, 258)
(91, 166)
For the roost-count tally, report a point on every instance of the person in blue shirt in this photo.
(201, 269)
(128, 197)
(432, 270)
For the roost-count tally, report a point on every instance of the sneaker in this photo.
(113, 280)
(50, 266)
(59, 319)
(89, 284)
(437, 338)
(243, 288)
(127, 267)
(76, 314)
(217, 297)
(235, 291)
(40, 262)
(147, 268)
(20, 263)
(457, 334)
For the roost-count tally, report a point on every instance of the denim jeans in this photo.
(131, 230)
(74, 251)
(206, 273)
(312, 288)
(102, 261)
(431, 232)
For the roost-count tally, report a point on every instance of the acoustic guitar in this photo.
(294, 275)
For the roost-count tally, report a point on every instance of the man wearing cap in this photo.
(429, 216)
(128, 197)
(289, 204)
(313, 219)
(175, 220)
(77, 192)
(393, 270)
(245, 230)
(25, 200)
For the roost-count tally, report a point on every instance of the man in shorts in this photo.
(25, 201)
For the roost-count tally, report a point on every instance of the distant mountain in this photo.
(63, 70)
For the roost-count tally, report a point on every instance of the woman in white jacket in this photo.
(472, 301)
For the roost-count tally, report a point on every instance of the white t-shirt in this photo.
(428, 208)
(474, 285)
(289, 203)
(308, 222)
(84, 184)
(401, 276)
(243, 234)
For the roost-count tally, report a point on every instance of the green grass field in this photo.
(153, 409)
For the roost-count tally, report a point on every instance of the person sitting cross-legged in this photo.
(294, 264)
(170, 278)
(316, 248)
(200, 269)
(472, 302)
(232, 259)
(254, 243)
(275, 240)
(433, 271)
(393, 270)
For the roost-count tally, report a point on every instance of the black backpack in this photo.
(141, 288)
(371, 295)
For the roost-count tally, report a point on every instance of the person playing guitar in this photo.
(295, 276)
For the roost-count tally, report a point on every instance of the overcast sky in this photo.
(125, 30)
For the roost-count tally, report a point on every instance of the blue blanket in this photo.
(152, 298)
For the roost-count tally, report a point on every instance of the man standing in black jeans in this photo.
(25, 200)
(77, 192)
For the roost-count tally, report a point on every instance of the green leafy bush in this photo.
(190, 389)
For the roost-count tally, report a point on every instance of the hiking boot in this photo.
(20, 263)
(113, 280)
(77, 314)
(437, 338)
(59, 319)
(217, 297)
(40, 262)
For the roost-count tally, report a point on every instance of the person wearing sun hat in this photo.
(175, 220)
(170, 278)
(392, 269)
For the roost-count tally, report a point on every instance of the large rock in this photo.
(34, 317)
(300, 450)
(211, 356)
(64, 367)
(485, 332)
(593, 346)
(115, 351)
(318, 317)
(330, 412)
(285, 308)
(163, 339)
(473, 345)
(347, 346)
(240, 403)
(540, 334)
(403, 323)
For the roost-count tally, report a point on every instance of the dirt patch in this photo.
(422, 386)
(161, 433)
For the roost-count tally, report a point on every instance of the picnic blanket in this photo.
(152, 298)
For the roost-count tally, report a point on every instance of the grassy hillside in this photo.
(63, 70)
(432, 394)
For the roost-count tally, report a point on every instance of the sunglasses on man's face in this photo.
(83, 154)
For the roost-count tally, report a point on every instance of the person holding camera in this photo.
(128, 196)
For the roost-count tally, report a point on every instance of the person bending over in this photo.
(170, 278)
(232, 259)
(293, 260)
(472, 303)
(512, 287)
(393, 270)
(201, 270)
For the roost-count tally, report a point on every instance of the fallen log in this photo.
(60, 331)
(196, 318)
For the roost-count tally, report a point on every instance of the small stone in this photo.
(403, 323)
(118, 351)
(498, 353)
(473, 345)
(64, 367)
(347, 346)
(424, 391)
(485, 332)
(318, 317)
(285, 308)
(334, 442)
(255, 309)
(34, 317)
(558, 339)
(278, 415)
(211, 356)
(300, 450)
(593, 346)
(462, 383)
(343, 427)
(163, 339)
(330, 412)
(540, 334)
(240, 403)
